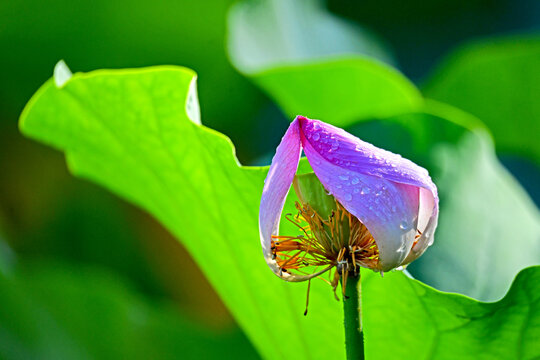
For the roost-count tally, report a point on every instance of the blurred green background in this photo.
(74, 259)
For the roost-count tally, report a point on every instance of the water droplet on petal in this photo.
(316, 136)
(355, 181)
(343, 177)
(404, 225)
(348, 197)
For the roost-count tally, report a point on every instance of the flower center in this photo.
(339, 241)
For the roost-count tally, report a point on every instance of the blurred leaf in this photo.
(129, 131)
(268, 33)
(489, 228)
(497, 81)
(526, 171)
(340, 91)
(426, 324)
(49, 311)
(414, 134)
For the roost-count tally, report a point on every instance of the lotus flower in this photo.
(386, 205)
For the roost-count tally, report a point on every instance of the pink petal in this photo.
(276, 187)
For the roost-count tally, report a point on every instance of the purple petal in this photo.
(382, 189)
(276, 187)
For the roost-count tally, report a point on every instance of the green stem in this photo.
(354, 338)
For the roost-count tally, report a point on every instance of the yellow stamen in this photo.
(341, 241)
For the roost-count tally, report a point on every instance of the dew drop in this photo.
(339, 186)
(365, 190)
(316, 136)
(343, 177)
(404, 225)
(348, 197)
(356, 191)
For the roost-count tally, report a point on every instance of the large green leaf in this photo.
(497, 81)
(405, 319)
(267, 33)
(129, 131)
(52, 311)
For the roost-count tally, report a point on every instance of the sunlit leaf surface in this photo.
(129, 131)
